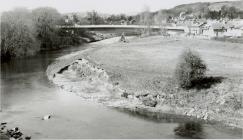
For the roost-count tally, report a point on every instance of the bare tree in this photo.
(161, 20)
(146, 20)
(94, 18)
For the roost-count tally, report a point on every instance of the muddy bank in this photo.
(97, 74)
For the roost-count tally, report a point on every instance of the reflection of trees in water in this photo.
(154, 116)
(190, 130)
(158, 117)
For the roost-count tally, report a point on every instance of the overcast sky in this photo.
(103, 6)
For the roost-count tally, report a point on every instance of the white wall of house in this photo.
(230, 32)
(220, 34)
(186, 29)
(195, 30)
(233, 32)
(208, 32)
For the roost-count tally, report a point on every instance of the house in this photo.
(68, 18)
(232, 30)
(193, 28)
(219, 29)
(196, 29)
(241, 31)
(236, 30)
(214, 29)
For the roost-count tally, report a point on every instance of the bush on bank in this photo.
(190, 68)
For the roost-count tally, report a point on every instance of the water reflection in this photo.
(147, 115)
(189, 130)
(37, 63)
(187, 127)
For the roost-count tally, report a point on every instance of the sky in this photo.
(102, 6)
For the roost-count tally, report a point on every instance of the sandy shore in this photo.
(139, 76)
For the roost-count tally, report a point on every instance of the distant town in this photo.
(225, 21)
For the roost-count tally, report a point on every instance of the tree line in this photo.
(159, 17)
(224, 12)
(94, 18)
(25, 32)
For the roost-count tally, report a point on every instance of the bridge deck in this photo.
(120, 27)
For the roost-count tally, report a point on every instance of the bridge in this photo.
(76, 26)
(107, 26)
(128, 29)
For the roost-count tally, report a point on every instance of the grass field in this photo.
(144, 70)
(146, 66)
(142, 61)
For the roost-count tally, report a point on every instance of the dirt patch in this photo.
(86, 80)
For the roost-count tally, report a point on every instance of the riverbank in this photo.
(139, 76)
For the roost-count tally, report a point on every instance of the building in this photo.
(213, 30)
(232, 30)
(196, 29)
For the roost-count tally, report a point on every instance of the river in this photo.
(27, 95)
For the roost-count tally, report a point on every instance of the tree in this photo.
(224, 11)
(146, 20)
(130, 18)
(83, 21)
(214, 14)
(189, 10)
(122, 17)
(233, 12)
(160, 18)
(45, 20)
(94, 18)
(75, 18)
(17, 34)
(206, 12)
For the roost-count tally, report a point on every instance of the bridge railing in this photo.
(122, 27)
(107, 26)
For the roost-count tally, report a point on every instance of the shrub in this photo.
(189, 69)
(45, 20)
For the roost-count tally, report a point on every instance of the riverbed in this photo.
(27, 95)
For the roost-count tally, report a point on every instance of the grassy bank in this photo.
(142, 74)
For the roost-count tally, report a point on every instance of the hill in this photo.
(200, 8)
(217, 5)
(195, 7)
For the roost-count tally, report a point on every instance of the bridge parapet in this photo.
(109, 26)
(182, 28)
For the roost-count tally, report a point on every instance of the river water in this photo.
(27, 95)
